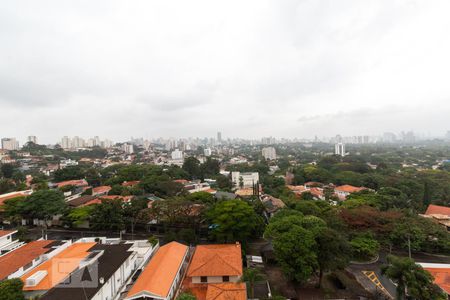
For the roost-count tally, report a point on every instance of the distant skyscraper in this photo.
(128, 148)
(65, 142)
(10, 144)
(269, 153)
(32, 139)
(339, 149)
(219, 137)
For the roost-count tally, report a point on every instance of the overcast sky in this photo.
(247, 68)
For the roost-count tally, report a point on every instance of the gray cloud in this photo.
(254, 68)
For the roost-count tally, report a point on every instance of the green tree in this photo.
(364, 246)
(7, 170)
(108, 215)
(297, 259)
(11, 289)
(69, 173)
(411, 279)
(332, 251)
(192, 166)
(43, 205)
(201, 198)
(252, 276)
(234, 220)
(79, 215)
(153, 240)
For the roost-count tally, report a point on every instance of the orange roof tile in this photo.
(77, 182)
(441, 277)
(226, 291)
(11, 195)
(59, 267)
(158, 276)
(101, 189)
(6, 232)
(130, 183)
(349, 188)
(14, 260)
(437, 210)
(216, 260)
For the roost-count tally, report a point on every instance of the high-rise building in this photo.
(177, 154)
(97, 141)
(269, 153)
(219, 137)
(32, 139)
(10, 144)
(339, 149)
(65, 142)
(128, 148)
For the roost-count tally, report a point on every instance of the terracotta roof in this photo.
(11, 195)
(160, 273)
(77, 182)
(211, 191)
(130, 183)
(297, 188)
(349, 188)
(98, 199)
(182, 181)
(14, 260)
(437, 210)
(216, 260)
(6, 232)
(101, 189)
(441, 277)
(69, 258)
(226, 291)
(245, 192)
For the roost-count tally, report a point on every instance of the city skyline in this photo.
(269, 68)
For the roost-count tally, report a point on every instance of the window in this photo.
(226, 278)
(203, 279)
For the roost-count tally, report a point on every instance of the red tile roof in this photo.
(11, 195)
(226, 291)
(130, 183)
(160, 273)
(216, 260)
(101, 189)
(441, 277)
(77, 182)
(6, 232)
(14, 260)
(349, 188)
(437, 210)
(71, 256)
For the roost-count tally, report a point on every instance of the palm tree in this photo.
(251, 276)
(398, 270)
(411, 279)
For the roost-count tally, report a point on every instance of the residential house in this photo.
(215, 269)
(162, 275)
(343, 191)
(91, 268)
(271, 204)
(101, 190)
(8, 241)
(244, 180)
(440, 214)
(16, 263)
